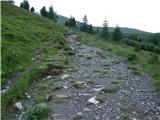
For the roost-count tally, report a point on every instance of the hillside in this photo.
(22, 33)
(28, 41)
(50, 72)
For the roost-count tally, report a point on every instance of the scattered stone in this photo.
(65, 87)
(18, 105)
(57, 86)
(48, 97)
(48, 77)
(93, 100)
(87, 109)
(28, 96)
(79, 114)
(98, 89)
(4, 90)
(80, 55)
(65, 76)
(62, 96)
(134, 119)
(97, 118)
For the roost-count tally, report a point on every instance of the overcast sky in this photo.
(139, 14)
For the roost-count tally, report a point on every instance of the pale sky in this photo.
(139, 14)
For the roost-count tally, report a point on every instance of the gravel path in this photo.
(100, 87)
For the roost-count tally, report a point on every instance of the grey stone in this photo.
(18, 105)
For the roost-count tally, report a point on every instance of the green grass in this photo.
(18, 89)
(22, 33)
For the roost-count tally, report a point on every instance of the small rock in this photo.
(62, 96)
(28, 96)
(93, 100)
(48, 97)
(98, 89)
(79, 113)
(18, 105)
(134, 119)
(97, 118)
(65, 87)
(80, 55)
(65, 76)
(48, 77)
(87, 109)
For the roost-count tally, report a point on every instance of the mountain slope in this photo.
(22, 33)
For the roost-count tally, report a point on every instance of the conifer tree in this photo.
(90, 29)
(105, 32)
(43, 12)
(32, 9)
(25, 5)
(117, 34)
(84, 25)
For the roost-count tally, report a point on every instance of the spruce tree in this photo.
(117, 34)
(25, 5)
(84, 25)
(32, 9)
(90, 29)
(71, 22)
(43, 12)
(105, 32)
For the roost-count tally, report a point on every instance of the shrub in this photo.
(137, 48)
(132, 57)
(38, 112)
(154, 59)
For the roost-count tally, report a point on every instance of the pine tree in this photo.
(43, 12)
(117, 34)
(25, 5)
(84, 25)
(66, 23)
(90, 29)
(105, 32)
(71, 22)
(32, 9)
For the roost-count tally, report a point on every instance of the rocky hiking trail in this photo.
(98, 86)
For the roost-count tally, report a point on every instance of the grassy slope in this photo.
(22, 33)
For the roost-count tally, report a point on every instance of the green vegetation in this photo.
(71, 22)
(37, 113)
(117, 34)
(23, 33)
(111, 89)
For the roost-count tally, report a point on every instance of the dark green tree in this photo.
(71, 22)
(32, 9)
(25, 5)
(84, 25)
(44, 12)
(105, 32)
(117, 34)
(51, 14)
(90, 29)
(66, 23)
(155, 39)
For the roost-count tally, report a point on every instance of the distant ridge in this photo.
(62, 19)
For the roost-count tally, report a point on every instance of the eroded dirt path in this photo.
(100, 87)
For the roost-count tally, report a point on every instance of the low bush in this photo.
(132, 57)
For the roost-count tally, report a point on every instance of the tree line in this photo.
(116, 35)
(48, 14)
